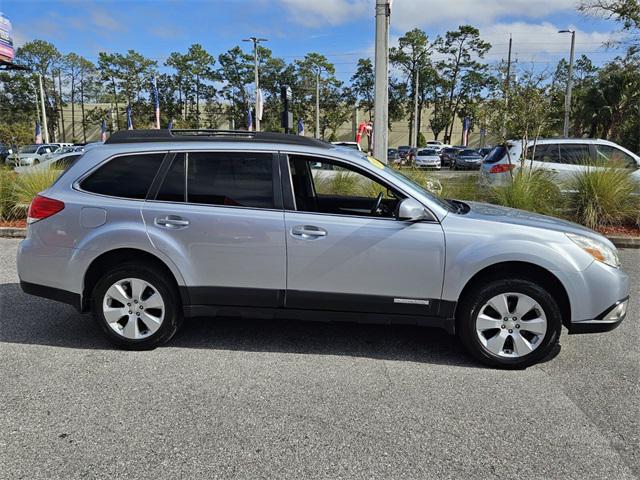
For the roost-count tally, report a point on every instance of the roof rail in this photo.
(145, 136)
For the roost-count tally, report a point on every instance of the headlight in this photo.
(596, 249)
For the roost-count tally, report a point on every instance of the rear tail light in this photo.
(43, 207)
(502, 168)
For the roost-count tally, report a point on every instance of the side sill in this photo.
(447, 324)
(52, 293)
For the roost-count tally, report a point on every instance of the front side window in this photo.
(127, 176)
(336, 188)
(608, 155)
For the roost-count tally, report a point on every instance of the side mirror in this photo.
(412, 210)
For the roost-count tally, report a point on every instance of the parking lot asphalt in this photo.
(234, 398)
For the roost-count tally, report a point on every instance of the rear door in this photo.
(219, 217)
(343, 254)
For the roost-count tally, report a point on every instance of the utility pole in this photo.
(380, 127)
(507, 80)
(45, 127)
(414, 132)
(567, 98)
(317, 131)
(256, 41)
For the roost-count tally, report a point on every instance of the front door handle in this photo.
(308, 232)
(172, 221)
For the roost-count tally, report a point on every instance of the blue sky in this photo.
(340, 29)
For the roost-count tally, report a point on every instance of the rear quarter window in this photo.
(126, 176)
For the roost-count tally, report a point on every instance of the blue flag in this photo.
(300, 127)
(103, 131)
(156, 101)
(170, 126)
(249, 120)
(38, 132)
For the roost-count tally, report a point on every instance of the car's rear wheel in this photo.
(509, 323)
(137, 306)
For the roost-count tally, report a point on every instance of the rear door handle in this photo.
(172, 221)
(308, 231)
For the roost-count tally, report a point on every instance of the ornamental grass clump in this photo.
(534, 190)
(28, 185)
(7, 195)
(604, 197)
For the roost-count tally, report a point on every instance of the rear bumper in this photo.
(608, 320)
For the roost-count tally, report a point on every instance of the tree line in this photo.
(198, 89)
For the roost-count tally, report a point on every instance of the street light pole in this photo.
(567, 98)
(414, 132)
(317, 130)
(381, 105)
(256, 41)
(44, 112)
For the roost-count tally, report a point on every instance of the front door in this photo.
(219, 217)
(347, 252)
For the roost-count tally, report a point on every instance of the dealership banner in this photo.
(6, 42)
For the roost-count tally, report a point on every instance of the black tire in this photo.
(165, 287)
(471, 305)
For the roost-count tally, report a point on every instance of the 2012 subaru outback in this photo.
(158, 225)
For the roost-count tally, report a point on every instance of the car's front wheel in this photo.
(137, 306)
(510, 323)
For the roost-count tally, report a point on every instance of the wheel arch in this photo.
(525, 270)
(108, 259)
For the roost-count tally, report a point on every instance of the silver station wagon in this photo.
(158, 225)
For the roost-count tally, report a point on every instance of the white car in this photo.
(60, 162)
(563, 156)
(437, 145)
(428, 158)
(31, 154)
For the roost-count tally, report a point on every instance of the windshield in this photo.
(427, 153)
(29, 149)
(469, 152)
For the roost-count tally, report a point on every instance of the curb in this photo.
(619, 241)
(12, 232)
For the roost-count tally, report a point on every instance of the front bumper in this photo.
(608, 320)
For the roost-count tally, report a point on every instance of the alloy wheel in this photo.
(133, 308)
(511, 325)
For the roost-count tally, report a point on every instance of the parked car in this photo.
(563, 156)
(447, 155)
(354, 145)
(406, 153)
(393, 157)
(467, 159)
(436, 145)
(427, 158)
(59, 162)
(5, 151)
(484, 151)
(31, 154)
(157, 225)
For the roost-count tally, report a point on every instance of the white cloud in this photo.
(316, 13)
(408, 14)
(103, 19)
(537, 42)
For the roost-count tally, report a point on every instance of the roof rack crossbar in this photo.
(187, 135)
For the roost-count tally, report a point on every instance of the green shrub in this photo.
(464, 188)
(28, 185)
(534, 190)
(603, 197)
(7, 194)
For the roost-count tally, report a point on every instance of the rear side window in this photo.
(173, 186)
(128, 176)
(575, 154)
(546, 152)
(241, 179)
